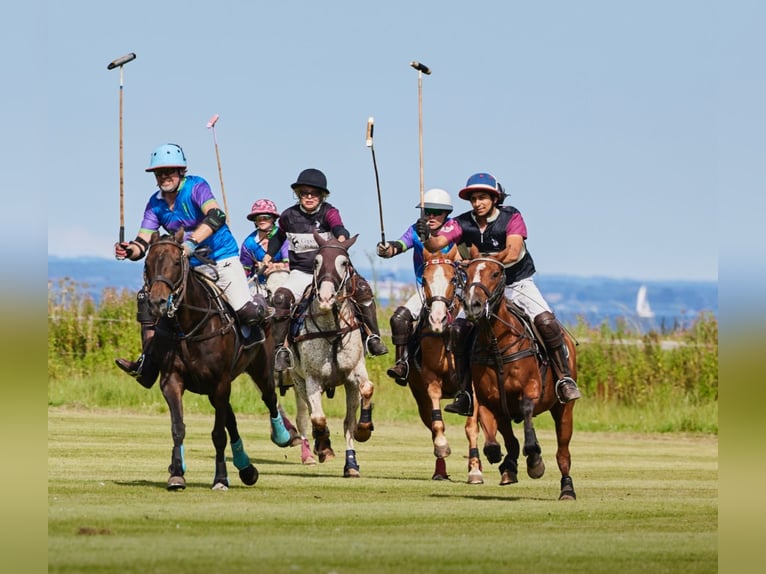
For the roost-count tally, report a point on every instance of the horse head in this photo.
(332, 268)
(485, 283)
(165, 271)
(440, 278)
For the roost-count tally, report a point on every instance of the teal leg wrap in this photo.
(183, 459)
(280, 436)
(240, 458)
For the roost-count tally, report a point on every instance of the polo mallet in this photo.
(370, 128)
(422, 69)
(211, 126)
(120, 62)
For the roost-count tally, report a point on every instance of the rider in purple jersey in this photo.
(186, 201)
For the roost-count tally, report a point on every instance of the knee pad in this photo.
(401, 326)
(362, 290)
(549, 329)
(282, 300)
(143, 313)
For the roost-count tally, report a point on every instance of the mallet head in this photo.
(421, 67)
(370, 128)
(121, 61)
(212, 121)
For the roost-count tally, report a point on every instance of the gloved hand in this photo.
(121, 250)
(385, 250)
(189, 247)
(421, 226)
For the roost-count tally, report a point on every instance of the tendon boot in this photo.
(553, 339)
(401, 331)
(144, 369)
(368, 314)
(461, 341)
(283, 301)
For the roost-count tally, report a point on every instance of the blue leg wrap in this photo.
(183, 458)
(280, 436)
(240, 458)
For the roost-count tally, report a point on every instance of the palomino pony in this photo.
(329, 352)
(199, 348)
(432, 373)
(511, 374)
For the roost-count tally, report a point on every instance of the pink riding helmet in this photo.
(263, 207)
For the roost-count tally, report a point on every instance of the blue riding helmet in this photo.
(167, 155)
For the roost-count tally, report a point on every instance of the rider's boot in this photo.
(282, 300)
(461, 342)
(368, 314)
(553, 339)
(252, 314)
(144, 369)
(401, 331)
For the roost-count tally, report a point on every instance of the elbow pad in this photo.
(215, 219)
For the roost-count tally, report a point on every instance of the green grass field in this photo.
(646, 503)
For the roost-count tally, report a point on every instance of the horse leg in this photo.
(488, 423)
(260, 372)
(509, 469)
(363, 391)
(562, 416)
(320, 432)
(303, 422)
(475, 475)
(295, 436)
(172, 390)
(532, 450)
(220, 402)
(248, 474)
(351, 429)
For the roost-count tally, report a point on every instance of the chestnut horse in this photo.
(329, 352)
(511, 374)
(432, 372)
(200, 349)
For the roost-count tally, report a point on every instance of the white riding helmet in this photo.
(436, 198)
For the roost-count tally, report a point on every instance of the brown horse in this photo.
(200, 348)
(511, 374)
(432, 373)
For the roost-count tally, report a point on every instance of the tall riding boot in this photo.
(282, 300)
(368, 314)
(144, 369)
(461, 341)
(553, 339)
(401, 331)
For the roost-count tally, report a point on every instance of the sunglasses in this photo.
(310, 193)
(259, 218)
(434, 212)
(166, 171)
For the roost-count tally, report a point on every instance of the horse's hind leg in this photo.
(248, 474)
(222, 408)
(260, 372)
(320, 431)
(364, 427)
(475, 474)
(562, 416)
(351, 429)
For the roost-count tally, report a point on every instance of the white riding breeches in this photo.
(527, 296)
(231, 279)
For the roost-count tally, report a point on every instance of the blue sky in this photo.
(604, 120)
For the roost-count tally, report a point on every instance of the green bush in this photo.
(662, 382)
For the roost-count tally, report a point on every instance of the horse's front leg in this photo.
(364, 389)
(260, 371)
(312, 394)
(532, 450)
(248, 474)
(351, 428)
(509, 468)
(220, 402)
(562, 416)
(172, 390)
(471, 428)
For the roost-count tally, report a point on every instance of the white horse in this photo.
(329, 352)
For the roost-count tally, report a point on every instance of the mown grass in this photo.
(646, 503)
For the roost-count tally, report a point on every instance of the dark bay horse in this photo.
(432, 370)
(511, 374)
(200, 349)
(329, 352)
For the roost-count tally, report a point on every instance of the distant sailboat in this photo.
(642, 304)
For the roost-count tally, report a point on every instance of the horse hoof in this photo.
(508, 477)
(308, 460)
(363, 433)
(493, 453)
(249, 475)
(535, 469)
(326, 454)
(567, 489)
(176, 483)
(475, 477)
(350, 472)
(220, 486)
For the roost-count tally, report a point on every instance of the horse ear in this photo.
(427, 255)
(155, 236)
(474, 252)
(179, 235)
(349, 242)
(318, 238)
